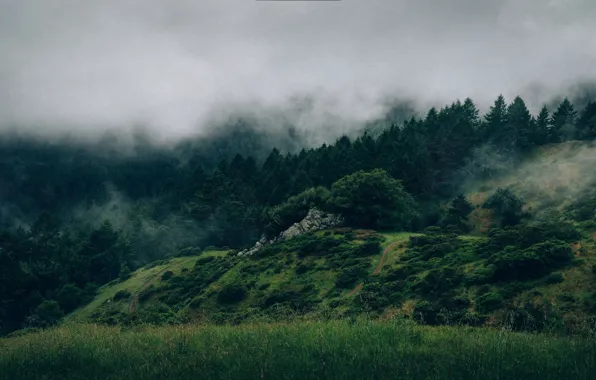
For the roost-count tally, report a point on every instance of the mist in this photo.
(555, 177)
(181, 67)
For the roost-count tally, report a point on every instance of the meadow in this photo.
(348, 349)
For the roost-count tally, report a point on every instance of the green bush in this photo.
(281, 296)
(121, 295)
(305, 267)
(428, 313)
(47, 314)
(190, 251)
(167, 275)
(506, 205)
(368, 248)
(232, 293)
(554, 278)
(481, 275)
(488, 302)
(70, 297)
(349, 276)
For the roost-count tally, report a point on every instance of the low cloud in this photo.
(179, 66)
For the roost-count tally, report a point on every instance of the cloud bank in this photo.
(176, 66)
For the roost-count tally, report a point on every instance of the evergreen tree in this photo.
(540, 133)
(562, 126)
(458, 213)
(495, 121)
(586, 124)
(519, 122)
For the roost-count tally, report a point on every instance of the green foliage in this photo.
(562, 123)
(47, 313)
(232, 293)
(69, 297)
(121, 295)
(373, 200)
(202, 193)
(489, 301)
(124, 272)
(585, 128)
(506, 205)
(458, 213)
(282, 216)
(349, 276)
(359, 350)
(554, 278)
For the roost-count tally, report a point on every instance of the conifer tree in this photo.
(562, 126)
(586, 124)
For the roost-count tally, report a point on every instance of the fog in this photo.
(556, 177)
(178, 67)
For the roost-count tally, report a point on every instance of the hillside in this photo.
(535, 276)
(220, 286)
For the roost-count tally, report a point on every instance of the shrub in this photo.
(506, 205)
(438, 280)
(147, 293)
(513, 264)
(554, 278)
(167, 275)
(69, 297)
(190, 251)
(368, 248)
(348, 277)
(231, 294)
(204, 260)
(489, 302)
(46, 314)
(304, 267)
(482, 275)
(427, 313)
(196, 302)
(121, 295)
(281, 296)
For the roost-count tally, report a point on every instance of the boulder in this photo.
(315, 220)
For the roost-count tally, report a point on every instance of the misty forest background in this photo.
(75, 216)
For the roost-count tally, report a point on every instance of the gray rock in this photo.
(315, 220)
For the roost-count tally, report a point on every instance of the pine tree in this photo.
(519, 124)
(586, 124)
(541, 127)
(562, 122)
(495, 121)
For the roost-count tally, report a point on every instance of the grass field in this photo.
(323, 350)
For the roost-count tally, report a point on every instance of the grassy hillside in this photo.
(538, 275)
(323, 350)
(218, 286)
(433, 278)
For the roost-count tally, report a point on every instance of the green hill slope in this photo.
(537, 275)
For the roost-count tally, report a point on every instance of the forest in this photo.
(78, 216)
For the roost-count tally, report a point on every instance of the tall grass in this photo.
(305, 350)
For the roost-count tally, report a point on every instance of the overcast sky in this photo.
(88, 65)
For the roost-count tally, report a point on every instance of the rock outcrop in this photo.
(315, 220)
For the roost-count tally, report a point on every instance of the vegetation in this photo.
(330, 350)
(114, 238)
